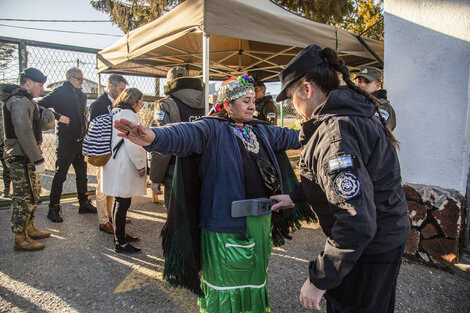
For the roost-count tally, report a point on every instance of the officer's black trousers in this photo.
(69, 152)
(369, 287)
(121, 205)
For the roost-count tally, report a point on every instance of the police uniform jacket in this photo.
(71, 102)
(386, 108)
(24, 121)
(264, 106)
(350, 175)
(183, 105)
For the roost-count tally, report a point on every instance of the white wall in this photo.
(427, 66)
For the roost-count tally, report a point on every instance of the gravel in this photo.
(79, 272)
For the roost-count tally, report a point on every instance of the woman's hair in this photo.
(325, 76)
(129, 97)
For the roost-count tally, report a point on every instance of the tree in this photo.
(323, 11)
(366, 18)
(131, 14)
(354, 15)
(6, 53)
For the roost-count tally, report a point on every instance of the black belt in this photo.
(17, 158)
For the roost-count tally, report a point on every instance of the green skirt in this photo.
(234, 268)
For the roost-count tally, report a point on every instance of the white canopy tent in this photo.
(218, 39)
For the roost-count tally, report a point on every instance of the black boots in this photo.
(86, 207)
(54, 213)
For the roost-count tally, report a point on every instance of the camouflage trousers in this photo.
(6, 172)
(26, 192)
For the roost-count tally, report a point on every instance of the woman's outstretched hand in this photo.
(137, 133)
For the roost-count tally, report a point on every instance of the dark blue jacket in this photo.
(100, 106)
(220, 165)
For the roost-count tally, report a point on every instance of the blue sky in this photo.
(57, 9)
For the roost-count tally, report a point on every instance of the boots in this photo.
(54, 213)
(35, 233)
(23, 242)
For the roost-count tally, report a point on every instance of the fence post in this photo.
(157, 87)
(22, 56)
(281, 110)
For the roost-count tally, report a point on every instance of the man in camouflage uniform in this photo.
(266, 109)
(369, 79)
(24, 122)
(5, 168)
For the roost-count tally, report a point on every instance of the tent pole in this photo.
(99, 85)
(205, 69)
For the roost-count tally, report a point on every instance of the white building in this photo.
(427, 66)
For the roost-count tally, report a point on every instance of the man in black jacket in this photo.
(69, 104)
(116, 85)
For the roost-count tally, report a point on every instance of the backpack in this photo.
(97, 142)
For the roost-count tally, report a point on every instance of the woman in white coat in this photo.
(123, 175)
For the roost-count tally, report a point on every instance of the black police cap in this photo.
(34, 74)
(300, 65)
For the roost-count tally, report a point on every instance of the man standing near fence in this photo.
(103, 105)
(69, 104)
(24, 122)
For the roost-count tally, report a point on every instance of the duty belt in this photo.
(253, 207)
(17, 158)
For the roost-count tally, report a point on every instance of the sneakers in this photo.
(54, 213)
(127, 248)
(86, 207)
(107, 228)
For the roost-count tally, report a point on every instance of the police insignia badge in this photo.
(159, 115)
(347, 185)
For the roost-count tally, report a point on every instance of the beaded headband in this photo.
(235, 88)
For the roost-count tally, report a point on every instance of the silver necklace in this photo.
(251, 144)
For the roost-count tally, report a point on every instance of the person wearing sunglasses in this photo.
(70, 109)
(235, 157)
(350, 175)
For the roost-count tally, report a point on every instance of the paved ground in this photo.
(79, 272)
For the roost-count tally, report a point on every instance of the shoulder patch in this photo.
(347, 185)
(159, 115)
(342, 162)
(384, 114)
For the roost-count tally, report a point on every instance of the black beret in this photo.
(34, 74)
(300, 65)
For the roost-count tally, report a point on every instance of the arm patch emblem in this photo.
(343, 162)
(347, 185)
(159, 115)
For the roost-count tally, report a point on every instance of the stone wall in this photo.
(437, 222)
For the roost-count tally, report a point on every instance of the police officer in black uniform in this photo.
(350, 175)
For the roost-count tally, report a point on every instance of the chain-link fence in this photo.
(54, 60)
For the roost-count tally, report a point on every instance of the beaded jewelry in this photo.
(248, 137)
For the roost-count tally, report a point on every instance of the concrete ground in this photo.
(78, 270)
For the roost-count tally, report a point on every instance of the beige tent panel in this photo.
(255, 36)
